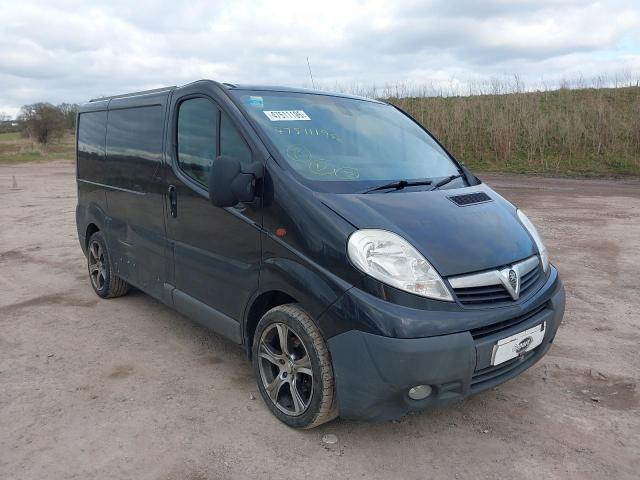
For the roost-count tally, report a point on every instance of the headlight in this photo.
(392, 260)
(544, 256)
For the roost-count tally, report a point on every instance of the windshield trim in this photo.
(319, 93)
(347, 186)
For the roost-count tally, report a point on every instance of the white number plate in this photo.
(518, 344)
(286, 115)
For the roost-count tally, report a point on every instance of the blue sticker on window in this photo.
(256, 102)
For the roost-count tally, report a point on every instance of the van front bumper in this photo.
(374, 373)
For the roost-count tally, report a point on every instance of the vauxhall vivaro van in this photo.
(366, 271)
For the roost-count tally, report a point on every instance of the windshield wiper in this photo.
(398, 185)
(444, 181)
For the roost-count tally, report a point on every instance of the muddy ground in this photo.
(126, 388)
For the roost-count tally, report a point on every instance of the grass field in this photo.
(589, 131)
(16, 149)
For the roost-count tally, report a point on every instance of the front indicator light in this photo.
(537, 239)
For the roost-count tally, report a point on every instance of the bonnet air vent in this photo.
(470, 199)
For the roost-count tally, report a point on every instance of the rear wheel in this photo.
(103, 279)
(293, 367)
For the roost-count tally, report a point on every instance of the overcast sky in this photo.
(71, 51)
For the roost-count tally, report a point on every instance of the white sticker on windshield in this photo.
(286, 115)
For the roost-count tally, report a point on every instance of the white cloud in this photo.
(71, 51)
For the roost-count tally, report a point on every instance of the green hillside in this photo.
(565, 132)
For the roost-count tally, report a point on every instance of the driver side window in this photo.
(232, 143)
(197, 138)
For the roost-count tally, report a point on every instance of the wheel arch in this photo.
(286, 280)
(91, 229)
(261, 304)
(89, 219)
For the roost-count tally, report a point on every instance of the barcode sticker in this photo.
(286, 115)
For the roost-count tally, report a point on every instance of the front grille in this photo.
(487, 330)
(470, 199)
(492, 374)
(496, 295)
(483, 295)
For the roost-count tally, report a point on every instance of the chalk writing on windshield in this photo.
(301, 158)
(310, 132)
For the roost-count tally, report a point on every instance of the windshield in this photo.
(343, 144)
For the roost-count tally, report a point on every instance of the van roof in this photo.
(133, 94)
(278, 88)
(231, 86)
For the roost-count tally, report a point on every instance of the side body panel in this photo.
(90, 158)
(216, 251)
(308, 261)
(133, 172)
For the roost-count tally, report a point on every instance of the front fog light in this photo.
(419, 392)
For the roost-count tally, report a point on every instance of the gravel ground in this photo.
(127, 388)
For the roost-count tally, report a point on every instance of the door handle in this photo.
(173, 201)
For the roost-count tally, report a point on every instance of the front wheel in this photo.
(293, 368)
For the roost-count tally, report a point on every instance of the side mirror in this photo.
(230, 184)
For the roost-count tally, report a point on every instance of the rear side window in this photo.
(134, 147)
(197, 132)
(91, 137)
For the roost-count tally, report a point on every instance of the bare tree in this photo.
(70, 111)
(42, 121)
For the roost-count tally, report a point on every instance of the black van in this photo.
(366, 271)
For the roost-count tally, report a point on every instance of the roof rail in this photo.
(132, 94)
(230, 85)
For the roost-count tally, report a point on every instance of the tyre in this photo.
(103, 279)
(293, 368)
